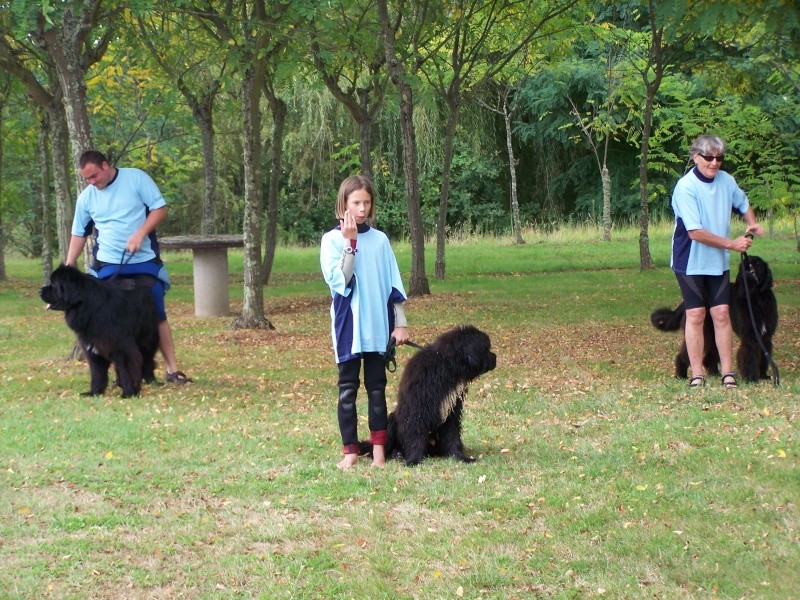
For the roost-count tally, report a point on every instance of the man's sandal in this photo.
(729, 381)
(178, 377)
(697, 381)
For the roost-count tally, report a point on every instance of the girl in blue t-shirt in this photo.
(359, 266)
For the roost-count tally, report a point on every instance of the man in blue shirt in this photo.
(703, 201)
(125, 206)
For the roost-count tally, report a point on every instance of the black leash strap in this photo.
(122, 263)
(417, 346)
(776, 378)
(390, 358)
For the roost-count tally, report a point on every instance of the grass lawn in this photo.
(599, 474)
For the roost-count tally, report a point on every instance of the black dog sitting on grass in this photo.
(430, 397)
(116, 322)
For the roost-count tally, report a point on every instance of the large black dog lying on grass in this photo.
(116, 322)
(750, 358)
(431, 393)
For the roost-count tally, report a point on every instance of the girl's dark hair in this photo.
(350, 185)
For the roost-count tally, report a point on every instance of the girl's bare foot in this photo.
(348, 461)
(378, 457)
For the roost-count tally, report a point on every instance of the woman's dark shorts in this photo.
(707, 291)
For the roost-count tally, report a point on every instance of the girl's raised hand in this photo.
(349, 227)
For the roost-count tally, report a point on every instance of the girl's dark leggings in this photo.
(375, 384)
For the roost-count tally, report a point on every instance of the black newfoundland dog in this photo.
(116, 322)
(755, 278)
(751, 361)
(430, 398)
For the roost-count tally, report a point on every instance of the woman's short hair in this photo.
(350, 185)
(708, 144)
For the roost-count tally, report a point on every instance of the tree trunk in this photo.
(205, 121)
(516, 226)
(606, 178)
(279, 110)
(441, 223)
(645, 261)
(64, 45)
(365, 147)
(2, 233)
(45, 199)
(59, 155)
(252, 316)
(418, 284)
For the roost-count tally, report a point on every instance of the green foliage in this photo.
(732, 69)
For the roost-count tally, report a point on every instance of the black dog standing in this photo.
(754, 279)
(114, 325)
(431, 393)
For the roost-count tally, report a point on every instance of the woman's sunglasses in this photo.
(708, 158)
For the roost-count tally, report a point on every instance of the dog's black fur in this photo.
(750, 358)
(427, 418)
(116, 322)
(667, 319)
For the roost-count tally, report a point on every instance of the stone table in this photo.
(210, 267)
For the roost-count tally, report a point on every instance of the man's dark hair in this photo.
(92, 156)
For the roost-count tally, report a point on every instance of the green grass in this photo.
(599, 474)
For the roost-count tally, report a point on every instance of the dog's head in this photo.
(757, 273)
(64, 290)
(469, 348)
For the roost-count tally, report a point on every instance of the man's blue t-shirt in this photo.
(702, 203)
(118, 210)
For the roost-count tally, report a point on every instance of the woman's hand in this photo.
(755, 229)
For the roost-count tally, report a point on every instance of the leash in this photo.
(122, 263)
(745, 264)
(390, 357)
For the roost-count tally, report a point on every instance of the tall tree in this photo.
(185, 51)
(599, 125)
(44, 194)
(418, 284)
(4, 88)
(279, 110)
(256, 34)
(485, 37)
(350, 57)
(506, 110)
(36, 71)
(75, 34)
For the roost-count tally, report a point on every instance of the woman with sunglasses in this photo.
(703, 201)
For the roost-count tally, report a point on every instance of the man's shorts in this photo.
(150, 274)
(705, 291)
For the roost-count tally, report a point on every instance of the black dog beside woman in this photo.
(755, 282)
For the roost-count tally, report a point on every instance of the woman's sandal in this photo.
(697, 381)
(178, 377)
(729, 381)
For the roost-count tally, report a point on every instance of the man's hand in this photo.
(135, 242)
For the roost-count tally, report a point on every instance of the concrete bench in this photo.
(210, 268)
